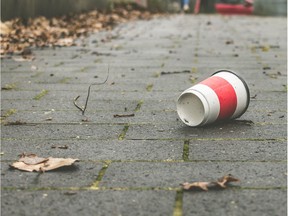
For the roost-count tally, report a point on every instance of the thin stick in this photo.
(83, 109)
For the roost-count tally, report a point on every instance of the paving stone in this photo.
(71, 83)
(238, 150)
(62, 104)
(251, 174)
(268, 105)
(158, 105)
(100, 203)
(70, 95)
(61, 131)
(95, 149)
(17, 95)
(74, 116)
(266, 117)
(229, 130)
(235, 202)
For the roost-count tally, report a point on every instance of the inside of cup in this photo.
(191, 109)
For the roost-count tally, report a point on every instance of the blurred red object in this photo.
(230, 9)
(197, 6)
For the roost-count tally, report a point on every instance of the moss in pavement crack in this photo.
(149, 87)
(123, 133)
(100, 175)
(8, 87)
(138, 106)
(7, 114)
(65, 80)
(41, 94)
(178, 206)
(185, 155)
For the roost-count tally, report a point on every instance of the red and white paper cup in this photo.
(224, 95)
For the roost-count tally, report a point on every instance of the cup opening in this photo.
(191, 109)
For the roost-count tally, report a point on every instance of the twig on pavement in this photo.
(83, 109)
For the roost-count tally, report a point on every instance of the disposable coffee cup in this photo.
(222, 96)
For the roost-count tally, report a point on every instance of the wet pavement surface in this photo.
(134, 151)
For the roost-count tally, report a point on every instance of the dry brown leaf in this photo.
(221, 182)
(5, 29)
(17, 35)
(199, 185)
(226, 179)
(32, 163)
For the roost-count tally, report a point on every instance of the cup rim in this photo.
(203, 102)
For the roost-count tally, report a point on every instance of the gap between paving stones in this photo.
(280, 139)
(125, 122)
(233, 188)
(176, 161)
(8, 113)
(178, 205)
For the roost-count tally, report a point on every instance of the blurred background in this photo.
(49, 8)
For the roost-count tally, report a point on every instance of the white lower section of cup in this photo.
(193, 107)
(240, 91)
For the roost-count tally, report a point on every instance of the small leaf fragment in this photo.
(221, 182)
(226, 179)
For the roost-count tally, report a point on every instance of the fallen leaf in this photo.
(226, 179)
(31, 162)
(221, 182)
(5, 29)
(18, 35)
(199, 185)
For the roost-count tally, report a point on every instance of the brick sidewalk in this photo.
(134, 165)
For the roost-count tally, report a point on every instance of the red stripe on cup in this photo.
(225, 93)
